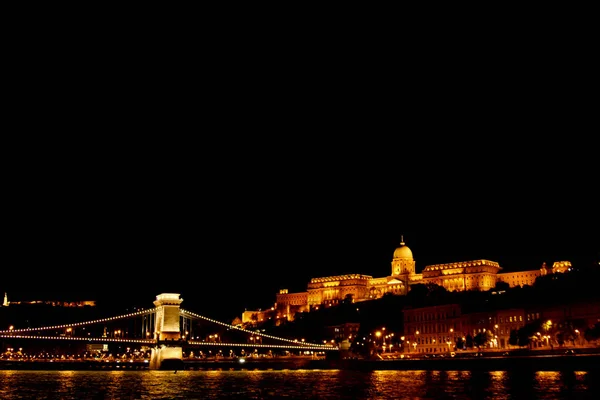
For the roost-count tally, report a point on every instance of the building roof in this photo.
(403, 251)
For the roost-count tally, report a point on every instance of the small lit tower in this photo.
(167, 316)
(168, 353)
(6, 302)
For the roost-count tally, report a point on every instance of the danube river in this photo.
(298, 384)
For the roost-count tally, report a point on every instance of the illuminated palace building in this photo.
(457, 276)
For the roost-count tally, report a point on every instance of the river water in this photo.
(298, 384)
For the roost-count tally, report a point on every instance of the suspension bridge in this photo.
(164, 336)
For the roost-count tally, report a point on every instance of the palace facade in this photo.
(457, 276)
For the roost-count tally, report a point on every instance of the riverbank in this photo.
(578, 362)
(275, 363)
(72, 365)
(581, 362)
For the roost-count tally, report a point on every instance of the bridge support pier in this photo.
(166, 329)
(166, 358)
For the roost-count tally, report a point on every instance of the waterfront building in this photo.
(572, 317)
(494, 325)
(432, 329)
(436, 329)
(503, 322)
(346, 331)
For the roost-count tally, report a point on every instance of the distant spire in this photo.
(401, 240)
(5, 304)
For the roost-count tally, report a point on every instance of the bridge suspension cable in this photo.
(77, 338)
(11, 332)
(189, 314)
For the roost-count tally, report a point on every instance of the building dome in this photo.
(403, 251)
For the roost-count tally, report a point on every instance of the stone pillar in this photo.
(168, 353)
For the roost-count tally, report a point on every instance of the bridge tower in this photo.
(168, 353)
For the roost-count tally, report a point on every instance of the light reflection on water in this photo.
(298, 384)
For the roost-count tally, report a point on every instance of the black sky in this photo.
(228, 227)
(227, 178)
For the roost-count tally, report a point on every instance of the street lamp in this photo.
(402, 343)
(378, 335)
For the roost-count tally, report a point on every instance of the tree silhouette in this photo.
(500, 286)
(469, 342)
(528, 331)
(482, 338)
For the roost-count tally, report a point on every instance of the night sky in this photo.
(228, 227)
(230, 176)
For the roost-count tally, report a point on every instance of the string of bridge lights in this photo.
(11, 332)
(302, 346)
(270, 346)
(88, 339)
(14, 333)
